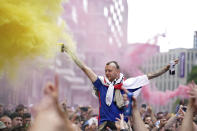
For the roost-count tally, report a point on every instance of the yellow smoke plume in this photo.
(28, 28)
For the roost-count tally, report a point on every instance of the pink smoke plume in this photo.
(161, 98)
(136, 58)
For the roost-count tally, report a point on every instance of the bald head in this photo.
(7, 121)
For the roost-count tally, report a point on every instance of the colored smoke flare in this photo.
(29, 29)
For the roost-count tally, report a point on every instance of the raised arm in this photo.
(138, 123)
(88, 71)
(49, 116)
(187, 124)
(150, 111)
(161, 71)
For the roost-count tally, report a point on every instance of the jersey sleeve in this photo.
(98, 84)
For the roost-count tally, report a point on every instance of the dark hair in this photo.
(20, 107)
(147, 115)
(26, 115)
(15, 114)
(143, 105)
(160, 113)
(19, 128)
(7, 113)
(5, 129)
(85, 109)
(116, 63)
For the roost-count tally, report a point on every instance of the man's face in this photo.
(160, 116)
(142, 110)
(7, 121)
(125, 97)
(111, 72)
(21, 112)
(147, 120)
(17, 121)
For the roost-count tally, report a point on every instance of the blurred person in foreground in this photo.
(188, 123)
(138, 124)
(49, 116)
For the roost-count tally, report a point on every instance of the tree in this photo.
(192, 75)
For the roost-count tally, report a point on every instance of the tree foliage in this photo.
(192, 75)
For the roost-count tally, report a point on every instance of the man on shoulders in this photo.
(109, 88)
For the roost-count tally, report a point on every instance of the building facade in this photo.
(100, 31)
(195, 39)
(187, 59)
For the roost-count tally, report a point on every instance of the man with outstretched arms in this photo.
(109, 89)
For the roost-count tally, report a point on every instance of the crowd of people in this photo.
(51, 115)
(113, 95)
(18, 119)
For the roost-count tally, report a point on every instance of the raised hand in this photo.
(120, 123)
(49, 115)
